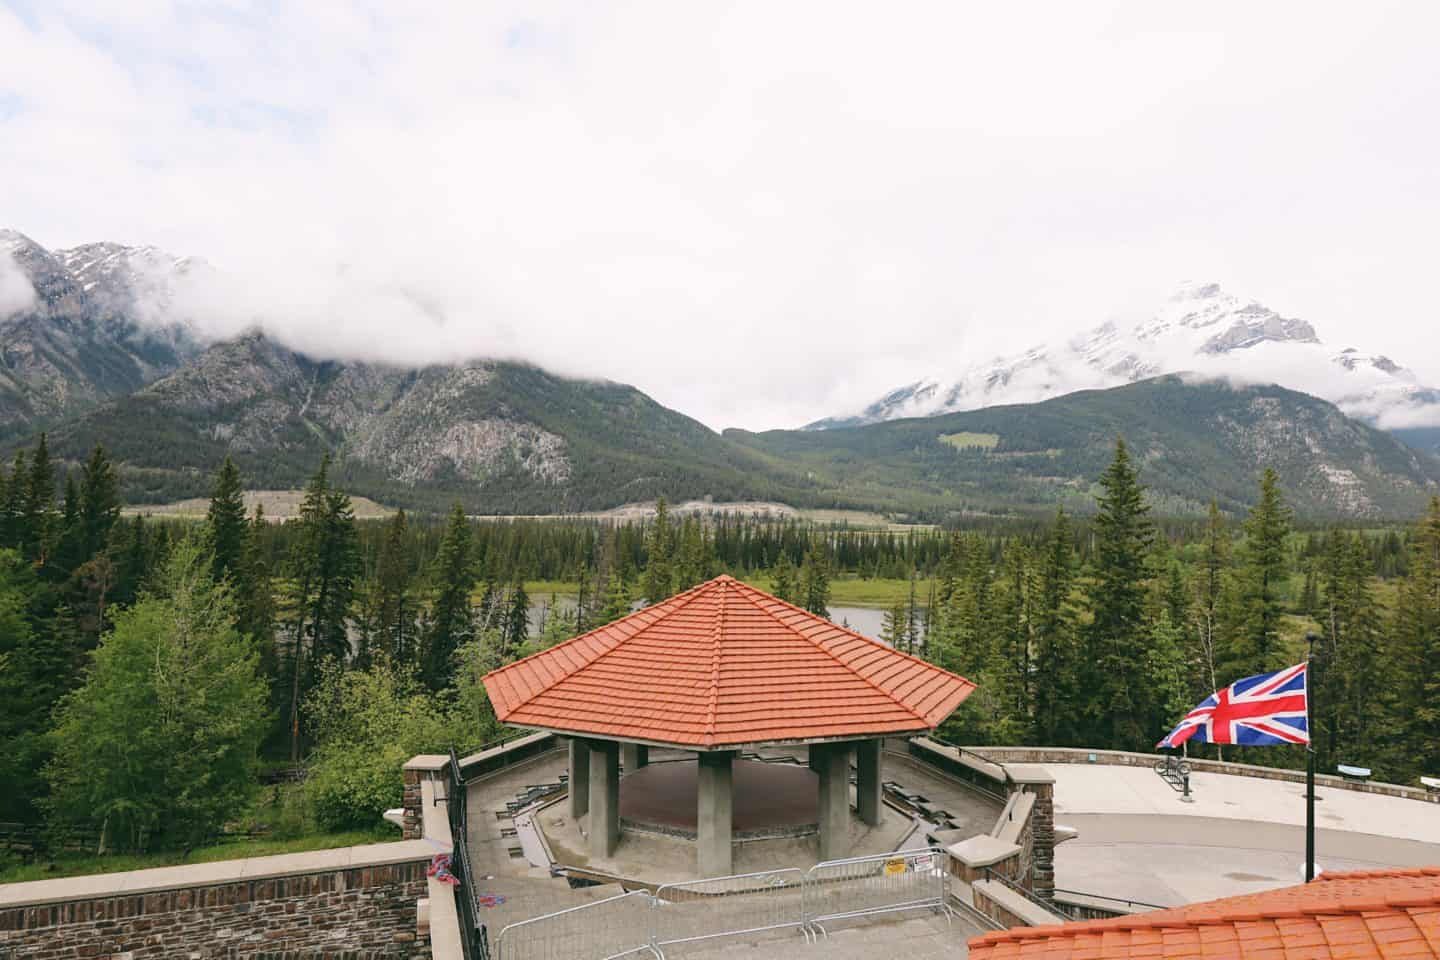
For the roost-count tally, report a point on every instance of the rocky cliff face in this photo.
(96, 323)
(501, 436)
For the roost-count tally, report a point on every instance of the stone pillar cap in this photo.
(982, 851)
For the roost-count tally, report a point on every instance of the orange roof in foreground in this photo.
(1361, 915)
(724, 664)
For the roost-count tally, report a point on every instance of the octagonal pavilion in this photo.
(721, 669)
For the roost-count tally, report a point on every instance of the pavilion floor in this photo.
(530, 891)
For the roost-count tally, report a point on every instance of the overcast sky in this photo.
(759, 213)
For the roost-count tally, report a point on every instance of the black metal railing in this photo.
(1044, 903)
(1126, 906)
(968, 779)
(474, 938)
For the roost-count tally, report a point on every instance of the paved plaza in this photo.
(1137, 840)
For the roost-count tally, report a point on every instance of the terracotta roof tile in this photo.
(1362, 915)
(724, 664)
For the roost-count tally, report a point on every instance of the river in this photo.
(865, 621)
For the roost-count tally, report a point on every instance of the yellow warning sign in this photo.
(894, 866)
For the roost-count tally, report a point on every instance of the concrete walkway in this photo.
(1137, 839)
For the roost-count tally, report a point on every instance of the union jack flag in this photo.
(1259, 711)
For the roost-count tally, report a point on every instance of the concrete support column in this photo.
(579, 778)
(867, 780)
(834, 773)
(633, 756)
(715, 817)
(604, 797)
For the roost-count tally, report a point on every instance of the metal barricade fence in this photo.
(883, 883)
(729, 906)
(616, 927)
(639, 922)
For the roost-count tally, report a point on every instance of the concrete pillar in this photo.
(867, 780)
(715, 817)
(814, 751)
(604, 797)
(579, 778)
(834, 774)
(633, 756)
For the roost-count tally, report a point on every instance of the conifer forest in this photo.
(155, 670)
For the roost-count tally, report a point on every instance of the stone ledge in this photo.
(427, 762)
(1014, 818)
(1014, 905)
(130, 882)
(509, 746)
(986, 768)
(1028, 773)
(982, 851)
(1125, 758)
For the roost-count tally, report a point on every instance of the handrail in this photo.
(474, 938)
(1100, 896)
(1031, 895)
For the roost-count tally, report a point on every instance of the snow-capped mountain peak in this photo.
(1201, 328)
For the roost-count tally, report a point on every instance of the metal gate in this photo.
(640, 922)
(615, 927)
(883, 883)
(729, 906)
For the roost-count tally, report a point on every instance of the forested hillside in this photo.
(501, 437)
(1196, 440)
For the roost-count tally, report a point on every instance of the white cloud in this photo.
(16, 293)
(759, 213)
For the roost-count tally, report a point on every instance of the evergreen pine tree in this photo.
(1119, 711)
(38, 512)
(815, 580)
(226, 526)
(1255, 648)
(394, 614)
(1210, 608)
(617, 597)
(452, 622)
(1417, 628)
(12, 510)
(325, 561)
(517, 620)
(894, 627)
(256, 609)
(1057, 681)
(694, 561)
(782, 578)
(913, 624)
(69, 553)
(659, 580)
(99, 502)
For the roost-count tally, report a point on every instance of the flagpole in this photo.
(1309, 759)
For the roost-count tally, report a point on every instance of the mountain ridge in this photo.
(1201, 328)
(95, 328)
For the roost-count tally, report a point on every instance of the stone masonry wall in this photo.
(1041, 840)
(1006, 755)
(362, 913)
(413, 827)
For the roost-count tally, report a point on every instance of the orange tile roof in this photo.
(1359, 916)
(724, 664)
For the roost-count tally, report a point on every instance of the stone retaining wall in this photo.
(1027, 822)
(364, 912)
(1006, 755)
